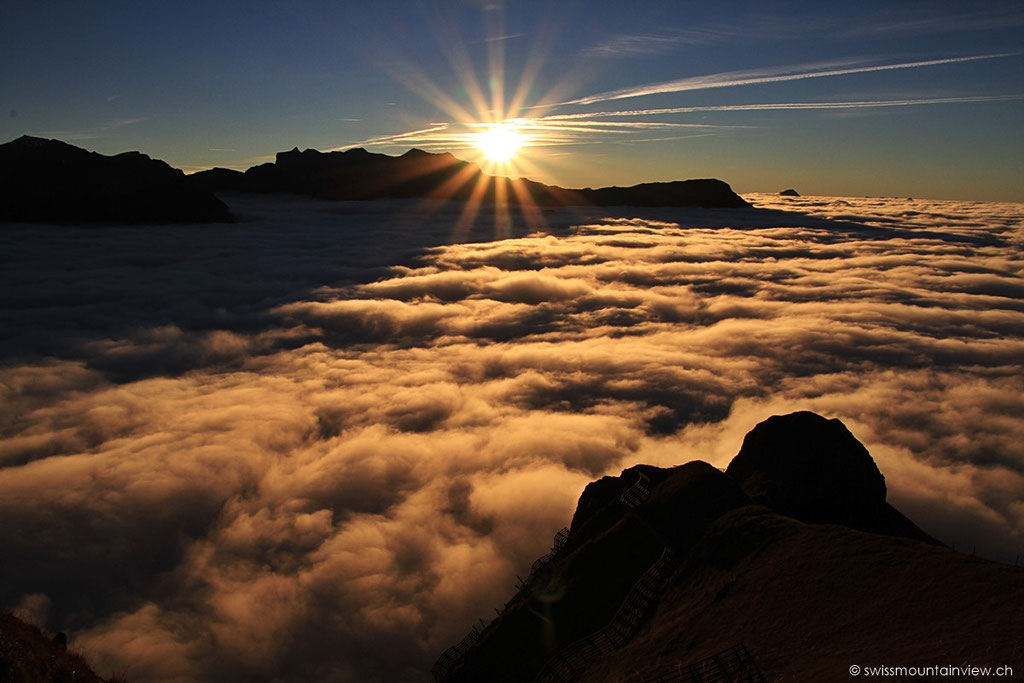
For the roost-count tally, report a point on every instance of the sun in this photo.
(499, 142)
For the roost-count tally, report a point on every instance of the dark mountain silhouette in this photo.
(359, 174)
(49, 180)
(790, 193)
(815, 470)
(791, 560)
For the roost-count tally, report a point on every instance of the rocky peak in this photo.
(805, 466)
(809, 467)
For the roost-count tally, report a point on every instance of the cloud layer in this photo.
(317, 445)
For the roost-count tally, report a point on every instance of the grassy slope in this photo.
(28, 656)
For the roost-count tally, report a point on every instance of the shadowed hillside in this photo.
(792, 551)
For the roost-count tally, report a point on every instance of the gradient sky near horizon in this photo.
(923, 99)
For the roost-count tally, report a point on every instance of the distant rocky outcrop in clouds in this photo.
(52, 181)
(791, 556)
(359, 174)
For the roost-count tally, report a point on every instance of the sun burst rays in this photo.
(495, 123)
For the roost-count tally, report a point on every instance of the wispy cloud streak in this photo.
(628, 45)
(768, 106)
(973, 21)
(89, 133)
(436, 133)
(755, 77)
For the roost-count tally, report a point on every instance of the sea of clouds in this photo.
(319, 443)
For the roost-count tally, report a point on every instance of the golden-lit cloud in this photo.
(328, 467)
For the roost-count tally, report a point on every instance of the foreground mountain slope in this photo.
(809, 601)
(28, 656)
(665, 567)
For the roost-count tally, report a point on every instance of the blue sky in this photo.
(922, 99)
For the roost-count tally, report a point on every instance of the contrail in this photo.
(734, 78)
(860, 104)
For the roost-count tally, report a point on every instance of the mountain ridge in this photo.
(360, 174)
(44, 180)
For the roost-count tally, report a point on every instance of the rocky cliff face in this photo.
(49, 180)
(792, 551)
